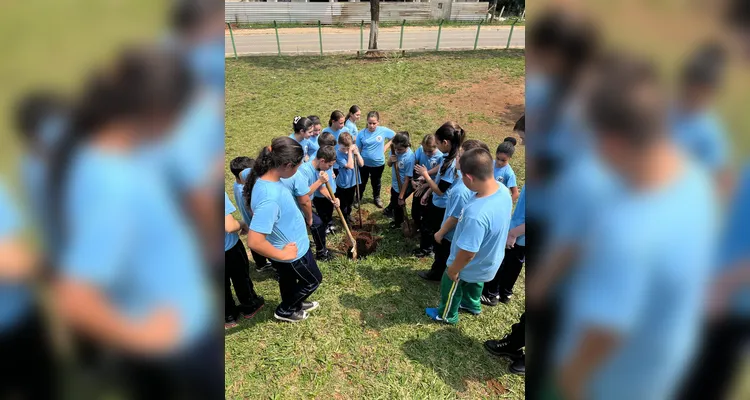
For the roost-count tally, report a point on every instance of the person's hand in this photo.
(393, 159)
(244, 228)
(289, 252)
(336, 202)
(323, 177)
(401, 202)
(355, 150)
(452, 273)
(158, 333)
(425, 200)
(309, 221)
(439, 237)
(422, 171)
(511, 241)
(570, 385)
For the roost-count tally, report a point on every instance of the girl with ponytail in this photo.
(130, 275)
(450, 136)
(355, 113)
(302, 131)
(503, 171)
(278, 230)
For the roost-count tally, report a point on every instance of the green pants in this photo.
(454, 294)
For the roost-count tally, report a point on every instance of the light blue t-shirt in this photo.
(483, 229)
(519, 216)
(305, 143)
(299, 183)
(352, 128)
(337, 133)
(15, 298)
(276, 215)
(428, 161)
(313, 146)
(506, 176)
(230, 239)
(346, 178)
(405, 168)
(450, 175)
(126, 234)
(372, 145)
(331, 180)
(457, 199)
(306, 175)
(702, 136)
(643, 274)
(735, 242)
(246, 216)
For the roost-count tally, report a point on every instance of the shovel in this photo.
(356, 181)
(406, 225)
(343, 221)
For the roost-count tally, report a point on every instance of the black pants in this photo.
(433, 219)
(26, 367)
(236, 272)
(258, 259)
(417, 212)
(319, 225)
(507, 275)
(517, 336)
(442, 253)
(346, 197)
(717, 361)
(377, 174)
(196, 373)
(297, 281)
(398, 211)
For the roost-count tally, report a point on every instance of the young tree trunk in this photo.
(374, 19)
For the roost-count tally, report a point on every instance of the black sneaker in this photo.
(488, 300)
(230, 322)
(329, 230)
(504, 299)
(267, 267)
(378, 202)
(518, 366)
(294, 317)
(501, 348)
(422, 253)
(308, 306)
(249, 310)
(324, 256)
(426, 275)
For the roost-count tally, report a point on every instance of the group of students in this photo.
(464, 196)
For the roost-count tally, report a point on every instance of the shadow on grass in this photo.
(456, 359)
(264, 315)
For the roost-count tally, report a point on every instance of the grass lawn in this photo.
(370, 337)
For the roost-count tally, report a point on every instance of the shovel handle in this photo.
(343, 220)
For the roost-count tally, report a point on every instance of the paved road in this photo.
(305, 40)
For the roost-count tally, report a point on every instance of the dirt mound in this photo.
(367, 243)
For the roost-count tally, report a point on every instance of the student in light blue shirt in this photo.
(236, 268)
(450, 136)
(500, 289)
(347, 179)
(372, 142)
(401, 188)
(457, 198)
(302, 131)
(337, 125)
(503, 171)
(312, 142)
(428, 156)
(355, 113)
(631, 312)
(480, 235)
(323, 200)
(278, 230)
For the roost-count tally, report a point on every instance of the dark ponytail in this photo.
(335, 116)
(282, 151)
(352, 110)
(453, 133)
(145, 82)
(301, 124)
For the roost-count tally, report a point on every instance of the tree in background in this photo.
(374, 19)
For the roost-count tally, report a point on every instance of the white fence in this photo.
(351, 13)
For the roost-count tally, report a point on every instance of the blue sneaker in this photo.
(433, 314)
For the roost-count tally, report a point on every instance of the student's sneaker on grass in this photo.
(504, 299)
(267, 267)
(378, 202)
(426, 275)
(468, 310)
(423, 253)
(308, 306)
(294, 317)
(489, 300)
(433, 314)
(230, 322)
(518, 366)
(249, 310)
(324, 256)
(502, 348)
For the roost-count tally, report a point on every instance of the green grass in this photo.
(266, 25)
(370, 337)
